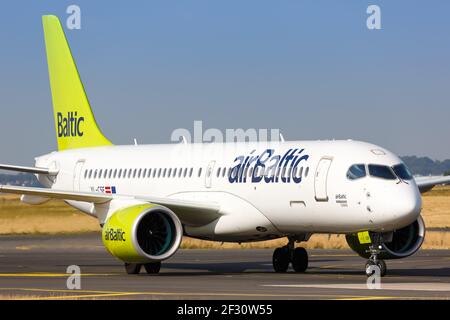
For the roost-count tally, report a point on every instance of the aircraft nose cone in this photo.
(409, 206)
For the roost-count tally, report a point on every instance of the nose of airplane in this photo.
(408, 204)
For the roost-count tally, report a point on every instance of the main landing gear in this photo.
(283, 256)
(375, 249)
(150, 268)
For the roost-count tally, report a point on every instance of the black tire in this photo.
(152, 268)
(133, 268)
(280, 260)
(300, 260)
(383, 268)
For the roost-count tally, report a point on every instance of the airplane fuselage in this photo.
(264, 190)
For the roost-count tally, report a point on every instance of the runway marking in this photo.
(334, 255)
(370, 298)
(407, 286)
(99, 294)
(53, 275)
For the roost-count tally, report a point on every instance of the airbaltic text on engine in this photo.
(112, 234)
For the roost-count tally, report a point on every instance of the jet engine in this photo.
(400, 244)
(142, 233)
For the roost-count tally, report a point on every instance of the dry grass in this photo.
(436, 207)
(50, 218)
(56, 217)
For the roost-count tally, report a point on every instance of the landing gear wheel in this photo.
(368, 268)
(300, 260)
(152, 268)
(280, 260)
(382, 265)
(133, 268)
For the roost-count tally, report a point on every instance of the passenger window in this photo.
(191, 172)
(199, 172)
(306, 171)
(356, 171)
(383, 172)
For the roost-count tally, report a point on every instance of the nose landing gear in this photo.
(375, 249)
(288, 254)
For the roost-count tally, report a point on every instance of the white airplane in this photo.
(147, 197)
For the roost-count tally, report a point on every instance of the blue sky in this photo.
(310, 68)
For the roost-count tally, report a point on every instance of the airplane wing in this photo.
(190, 212)
(28, 169)
(427, 183)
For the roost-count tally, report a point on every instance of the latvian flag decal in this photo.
(110, 190)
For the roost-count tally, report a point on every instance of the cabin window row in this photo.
(189, 172)
(140, 173)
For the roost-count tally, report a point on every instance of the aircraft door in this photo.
(320, 179)
(77, 175)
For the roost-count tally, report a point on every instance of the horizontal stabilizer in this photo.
(28, 169)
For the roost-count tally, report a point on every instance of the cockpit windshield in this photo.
(356, 171)
(402, 172)
(380, 171)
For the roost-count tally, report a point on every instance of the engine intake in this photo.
(142, 233)
(405, 242)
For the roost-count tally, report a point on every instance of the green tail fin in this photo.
(74, 121)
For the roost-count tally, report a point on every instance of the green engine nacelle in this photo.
(405, 242)
(142, 233)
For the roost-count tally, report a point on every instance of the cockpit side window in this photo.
(380, 171)
(356, 171)
(402, 172)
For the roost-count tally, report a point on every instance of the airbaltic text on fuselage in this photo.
(69, 126)
(269, 167)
